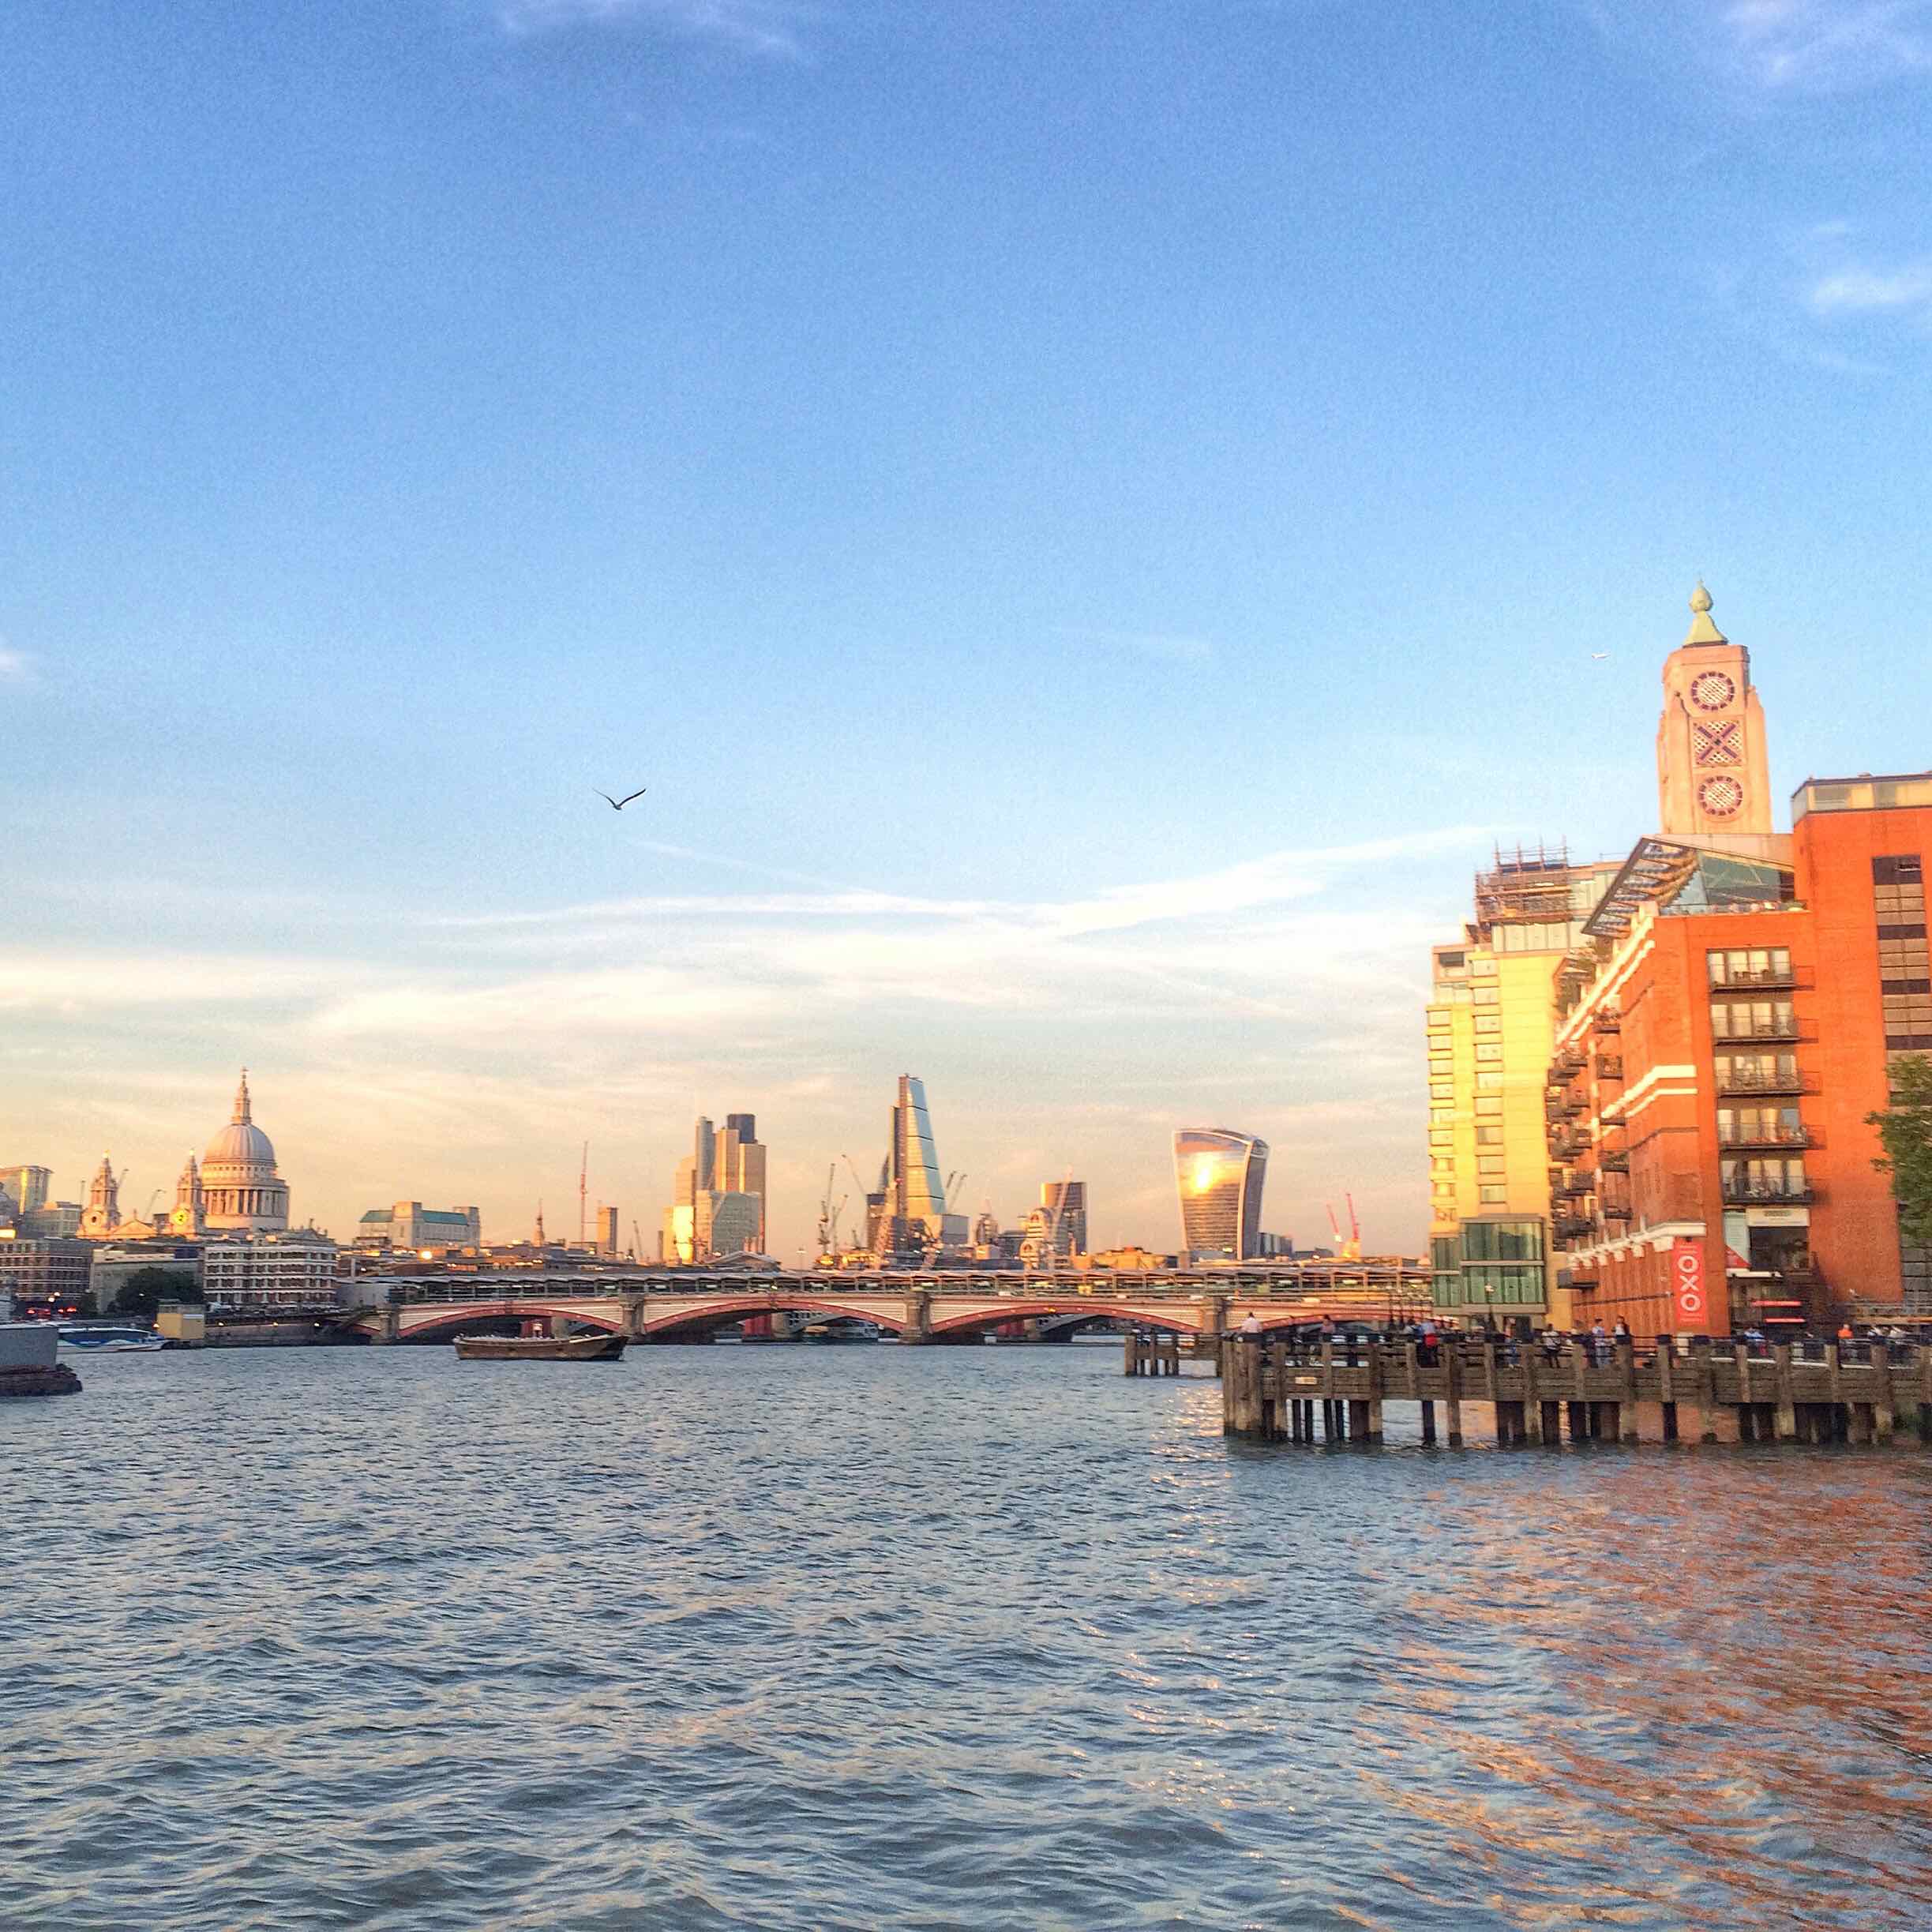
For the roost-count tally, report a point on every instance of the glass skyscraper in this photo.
(1220, 1175)
(909, 1209)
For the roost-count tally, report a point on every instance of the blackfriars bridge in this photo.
(685, 1305)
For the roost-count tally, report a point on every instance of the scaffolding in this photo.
(1530, 886)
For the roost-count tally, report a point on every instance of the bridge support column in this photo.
(1552, 1419)
(1452, 1358)
(389, 1325)
(1428, 1425)
(918, 1316)
(1358, 1427)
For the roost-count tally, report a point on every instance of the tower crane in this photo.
(829, 1211)
(1350, 1248)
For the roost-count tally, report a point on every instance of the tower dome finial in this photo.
(1702, 630)
(241, 1116)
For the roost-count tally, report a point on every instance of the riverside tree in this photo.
(144, 1291)
(1905, 1127)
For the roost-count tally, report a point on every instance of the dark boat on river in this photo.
(539, 1347)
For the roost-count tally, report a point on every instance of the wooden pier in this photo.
(1163, 1350)
(1866, 1391)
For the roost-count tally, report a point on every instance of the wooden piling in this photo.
(1787, 1408)
(1879, 1354)
(1452, 1362)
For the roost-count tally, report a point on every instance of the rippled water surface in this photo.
(972, 1637)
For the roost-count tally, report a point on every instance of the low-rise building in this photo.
(410, 1224)
(47, 1275)
(297, 1270)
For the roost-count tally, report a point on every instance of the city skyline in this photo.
(1078, 634)
(1394, 1195)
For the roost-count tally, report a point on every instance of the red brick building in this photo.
(1717, 1055)
(1722, 1037)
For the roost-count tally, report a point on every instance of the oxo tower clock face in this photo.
(1711, 691)
(1720, 797)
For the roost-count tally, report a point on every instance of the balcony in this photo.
(1609, 1067)
(1578, 1281)
(1764, 1136)
(1751, 1032)
(1607, 1023)
(1750, 1080)
(1574, 1227)
(1763, 979)
(1614, 1162)
(1616, 1210)
(1768, 1194)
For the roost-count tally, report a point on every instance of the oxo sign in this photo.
(1688, 1282)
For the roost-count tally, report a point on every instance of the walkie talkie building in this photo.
(1220, 1175)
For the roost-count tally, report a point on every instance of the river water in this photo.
(877, 1637)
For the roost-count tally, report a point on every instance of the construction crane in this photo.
(583, 1183)
(637, 1243)
(1351, 1248)
(829, 1211)
(954, 1181)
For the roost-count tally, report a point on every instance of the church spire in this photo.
(241, 1115)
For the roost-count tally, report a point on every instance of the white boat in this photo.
(108, 1339)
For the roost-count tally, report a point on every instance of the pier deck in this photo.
(1273, 1390)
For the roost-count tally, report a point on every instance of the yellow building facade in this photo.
(1490, 1022)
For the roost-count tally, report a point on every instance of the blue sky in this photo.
(1088, 518)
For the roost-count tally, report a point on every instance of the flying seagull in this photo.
(618, 805)
(1597, 656)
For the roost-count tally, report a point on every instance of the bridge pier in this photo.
(918, 1327)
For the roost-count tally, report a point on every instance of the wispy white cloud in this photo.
(1825, 296)
(1814, 46)
(1863, 291)
(1778, 49)
(17, 667)
(446, 1065)
(765, 27)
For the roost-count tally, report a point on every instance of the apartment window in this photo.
(1487, 1104)
(1442, 1137)
(1770, 1178)
(1916, 1271)
(1760, 1127)
(1757, 1073)
(1483, 967)
(1442, 1089)
(1489, 1137)
(1482, 996)
(1438, 1020)
(1908, 1022)
(1489, 1163)
(1488, 1022)
(1439, 1116)
(1492, 1196)
(1442, 1166)
(1757, 966)
(1902, 966)
(1753, 1019)
(1488, 1052)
